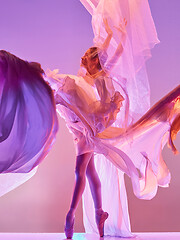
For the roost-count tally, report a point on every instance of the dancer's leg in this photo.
(81, 166)
(94, 183)
(95, 186)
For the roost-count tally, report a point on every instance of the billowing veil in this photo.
(130, 79)
(28, 121)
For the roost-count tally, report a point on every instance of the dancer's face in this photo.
(89, 61)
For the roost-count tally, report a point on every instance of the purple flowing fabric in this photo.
(28, 121)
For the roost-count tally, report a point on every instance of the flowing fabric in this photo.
(28, 121)
(135, 150)
(122, 143)
(128, 141)
(130, 78)
(141, 37)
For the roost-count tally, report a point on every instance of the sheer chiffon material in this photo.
(140, 38)
(134, 150)
(28, 121)
(132, 146)
(130, 79)
(124, 141)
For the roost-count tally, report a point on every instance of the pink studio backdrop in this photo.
(56, 33)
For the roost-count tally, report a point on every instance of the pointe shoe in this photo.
(69, 231)
(100, 219)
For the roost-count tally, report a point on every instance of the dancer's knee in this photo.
(81, 165)
(79, 172)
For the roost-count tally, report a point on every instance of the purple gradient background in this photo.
(56, 33)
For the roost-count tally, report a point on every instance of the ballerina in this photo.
(90, 117)
(90, 106)
(103, 110)
(99, 114)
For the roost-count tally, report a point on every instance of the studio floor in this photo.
(84, 236)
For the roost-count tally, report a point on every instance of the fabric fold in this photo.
(28, 121)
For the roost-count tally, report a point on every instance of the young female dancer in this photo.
(90, 105)
(102, 113)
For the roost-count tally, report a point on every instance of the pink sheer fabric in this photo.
(134, 150)
(141, 37)
(28, 122)
(132, 147)
(130, 78)
(122, 143)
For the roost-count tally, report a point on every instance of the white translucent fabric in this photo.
(122, 143)
(114, 201)
(134, 150)
(130, 78)
(141, 37)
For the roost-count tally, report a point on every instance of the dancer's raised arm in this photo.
(109, 36)
(122, 29)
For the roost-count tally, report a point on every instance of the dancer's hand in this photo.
(117, 99)
(107, 27)
(122, 26)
